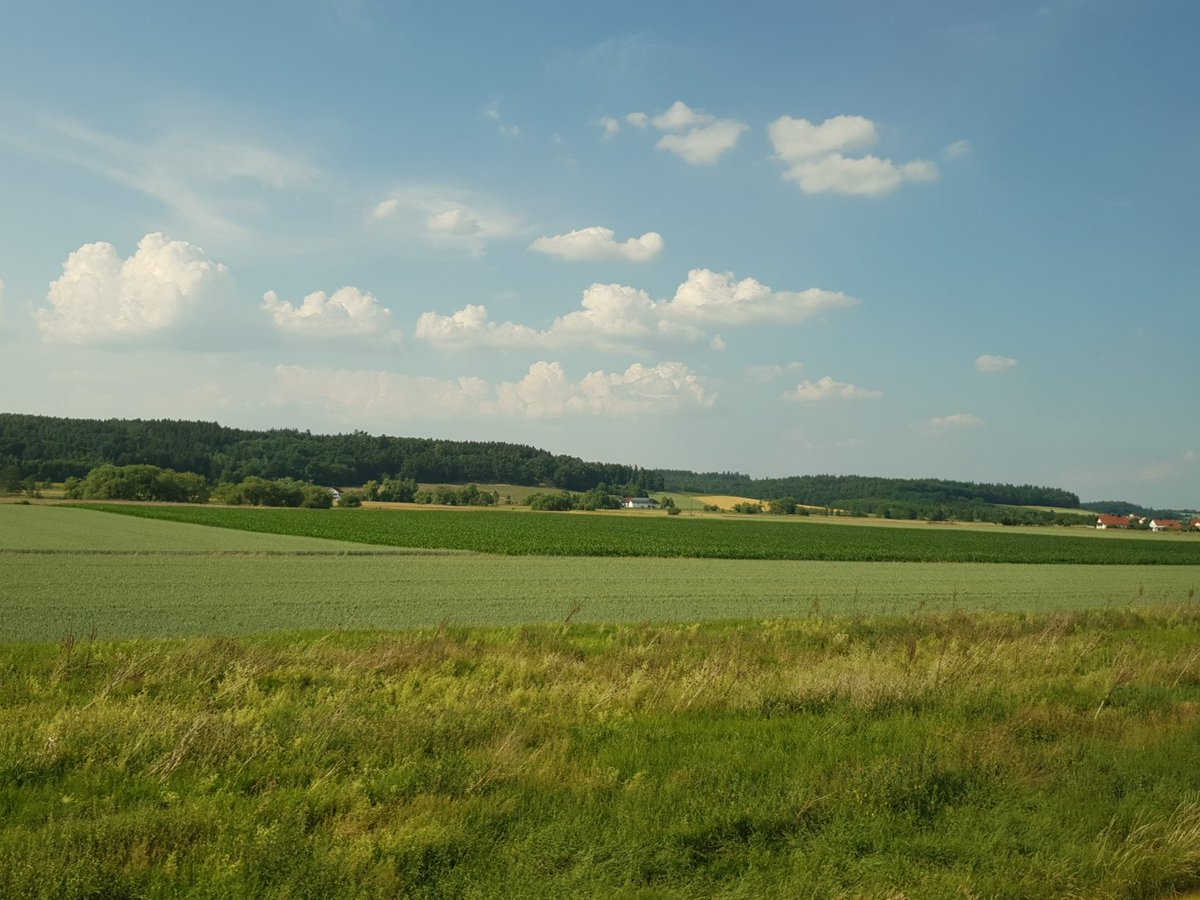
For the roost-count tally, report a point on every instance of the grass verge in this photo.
(938, 756)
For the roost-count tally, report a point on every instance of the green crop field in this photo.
(508, 532)
(44, 597)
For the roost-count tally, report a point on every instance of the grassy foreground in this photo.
(560, 534)
(947, 756)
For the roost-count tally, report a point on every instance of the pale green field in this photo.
(44, 597)
(65, 529)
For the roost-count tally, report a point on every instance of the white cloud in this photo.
(386, 208)
(718, 343)
(1189, 456)
(610, 126)
(826, 389)
(765, 374)
(456, 222)
(990, 363)
(694, 135)
(510, 130)
(544, 392)
(957, 150)
(679, 116)
(449, 217)
(470, 327)
(715, 297)
(617, 316)
(956, 420)
(640, 390)
(815, 157)
(600, 243)
(347, 313)
(101, 297)
(703, 146)
(491, 112)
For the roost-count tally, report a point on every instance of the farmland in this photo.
(511, 533)
(189, 710)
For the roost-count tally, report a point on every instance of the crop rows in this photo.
(518, 534)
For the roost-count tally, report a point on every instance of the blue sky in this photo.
(936, 239)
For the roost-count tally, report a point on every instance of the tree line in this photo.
(54, 449)
(867, 494)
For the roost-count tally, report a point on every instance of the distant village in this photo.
(1103, 522)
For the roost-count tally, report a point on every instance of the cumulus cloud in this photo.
(990, 363)
(544, 392)
(825, 390)
(718, 343)
(615, 315)
(956, 420)
(637, 119)
(103, 298)
(695, 136)
(347, 313)
(600, 243)
(815, 157)
(715, 297)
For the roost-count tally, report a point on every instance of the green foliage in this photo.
(607, 535)
(673, 510)
(350, 499)
(869, 494)
(255, 491)
(750, 509)
(940, 756)
(782, 506)
(391, 490)
(557, 501)
(139, 482)
(54, 448)
(597, 498)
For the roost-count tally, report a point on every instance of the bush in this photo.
(673, 510)
(351, 499)
(557, 501)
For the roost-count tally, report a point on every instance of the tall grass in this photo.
(956, 755)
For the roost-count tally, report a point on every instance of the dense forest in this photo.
(54, 449)
(861, 493)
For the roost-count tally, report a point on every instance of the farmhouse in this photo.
(1105, 521)
(639, 503)
(1194, 525)
(1165, 525)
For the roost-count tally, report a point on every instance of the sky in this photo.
(929, 239)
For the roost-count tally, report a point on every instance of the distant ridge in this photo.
(51, 448)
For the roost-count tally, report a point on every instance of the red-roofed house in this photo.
(1166, 525)
(1104, 521)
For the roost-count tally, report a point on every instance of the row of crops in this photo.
(516, 533)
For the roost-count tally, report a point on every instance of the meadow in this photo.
(554, 534)
(931, 756)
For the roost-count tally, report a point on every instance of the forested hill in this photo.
(863, 493)
(54, 449)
